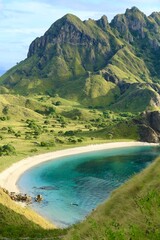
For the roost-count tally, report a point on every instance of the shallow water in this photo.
(74, 185)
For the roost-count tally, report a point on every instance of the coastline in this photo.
(10, 176)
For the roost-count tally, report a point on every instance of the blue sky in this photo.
(21, 21)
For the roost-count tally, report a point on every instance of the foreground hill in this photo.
(111, 65)
(19, 222)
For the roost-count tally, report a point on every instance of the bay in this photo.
(73, 186)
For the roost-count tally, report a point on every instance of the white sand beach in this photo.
(10, 176)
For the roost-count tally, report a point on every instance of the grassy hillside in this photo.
(56, 123)
(37, 124)
(144, 98)
(132, 211)
(42, 123)
(19, 222)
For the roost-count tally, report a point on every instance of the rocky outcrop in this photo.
(24, 198)
(38, 198)
(135, 25)
(147, 134)
(19, 197)
(103, 23)
(156, 17)
(150, 127)
(69, 30)
(152, 119)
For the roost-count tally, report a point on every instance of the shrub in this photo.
(69, 133)
(34, 150)
(46, 122)
(4, 118)
(10, 130)
(7, 149)
(58, 103)
(5, 110)
(50, 143)
(18, 134)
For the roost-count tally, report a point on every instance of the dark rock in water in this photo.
(74, 204)
(47, 188)
(38, 198)
(20, 197)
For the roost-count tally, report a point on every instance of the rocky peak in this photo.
(156, 17)
(132, 19)
(120, 23)
(135, 25)
(133, 10)
(136, 21)
(68, 29)
(103, 23)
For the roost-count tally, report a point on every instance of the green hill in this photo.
(93, 62)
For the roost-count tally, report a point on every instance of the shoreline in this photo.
(10, 176)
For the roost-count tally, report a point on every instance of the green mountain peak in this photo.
(103, 23)
(133, 10)
(112, 65)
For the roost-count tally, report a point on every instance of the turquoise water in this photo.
(74, 185)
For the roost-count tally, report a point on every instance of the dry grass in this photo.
(26, 211)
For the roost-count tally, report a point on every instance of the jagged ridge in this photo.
(95, 62)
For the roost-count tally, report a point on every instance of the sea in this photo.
(73, 186)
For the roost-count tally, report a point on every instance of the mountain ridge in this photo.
(88, 54)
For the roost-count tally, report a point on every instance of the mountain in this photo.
(109, 65)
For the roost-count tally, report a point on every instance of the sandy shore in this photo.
(9, 177)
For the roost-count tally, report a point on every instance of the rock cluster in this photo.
(19, 197)
(150, 126)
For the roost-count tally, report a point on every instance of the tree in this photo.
(58, 103)
(5, 110)
(18, 134)
(7, 149)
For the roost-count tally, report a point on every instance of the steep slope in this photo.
(94, 62)
(142, 33)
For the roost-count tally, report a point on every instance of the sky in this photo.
(21, 21)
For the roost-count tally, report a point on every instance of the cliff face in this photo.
(71, 30)
(112, 65)
(69, 37)
(150, 126)
(136, 26)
